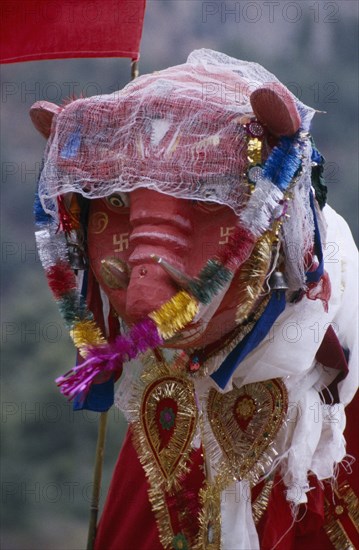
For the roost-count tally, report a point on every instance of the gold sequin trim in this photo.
(260, 504)
(254, 151)
(209, 535)
(333, 527)
(252, 275)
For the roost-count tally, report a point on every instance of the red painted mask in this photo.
(131, 228)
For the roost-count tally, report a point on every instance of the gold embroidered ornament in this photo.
(341, 517)
(164, 420)
(209, 536)
(164, 416)
(242, 425)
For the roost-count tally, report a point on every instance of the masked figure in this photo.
(184, 233)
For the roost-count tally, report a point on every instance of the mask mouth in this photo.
(193, 332)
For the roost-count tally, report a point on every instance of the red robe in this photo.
(328, 523)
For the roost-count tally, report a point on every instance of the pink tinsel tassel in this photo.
(109, 358)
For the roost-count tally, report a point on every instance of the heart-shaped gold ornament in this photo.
(169, 418)
(164, 422)
(245, 423)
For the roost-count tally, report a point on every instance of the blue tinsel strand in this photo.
(283, 163)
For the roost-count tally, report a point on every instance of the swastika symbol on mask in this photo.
(120, 240)
(226, 232)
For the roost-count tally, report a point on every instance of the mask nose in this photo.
(161, 226)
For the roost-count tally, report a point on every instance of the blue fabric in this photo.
(316, 156)
(99, 398)
(314, 276)
(41, 217)
(72, 145)
(274, 308)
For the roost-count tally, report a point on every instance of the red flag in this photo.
(57, 29)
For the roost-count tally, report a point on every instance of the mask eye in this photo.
(118, 200)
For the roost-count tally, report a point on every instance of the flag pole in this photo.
(134, 69)
(101, 436)
(97, 476)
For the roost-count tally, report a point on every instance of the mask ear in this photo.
(42, 113)
(275, 107)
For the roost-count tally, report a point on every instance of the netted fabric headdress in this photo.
(179, 131)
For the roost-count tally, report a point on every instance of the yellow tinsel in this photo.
(175, 314)
(254, 151)
(86, 333)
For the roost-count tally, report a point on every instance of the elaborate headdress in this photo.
(213, 129)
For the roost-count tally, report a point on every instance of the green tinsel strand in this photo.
(73, 309)
(210, 281)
